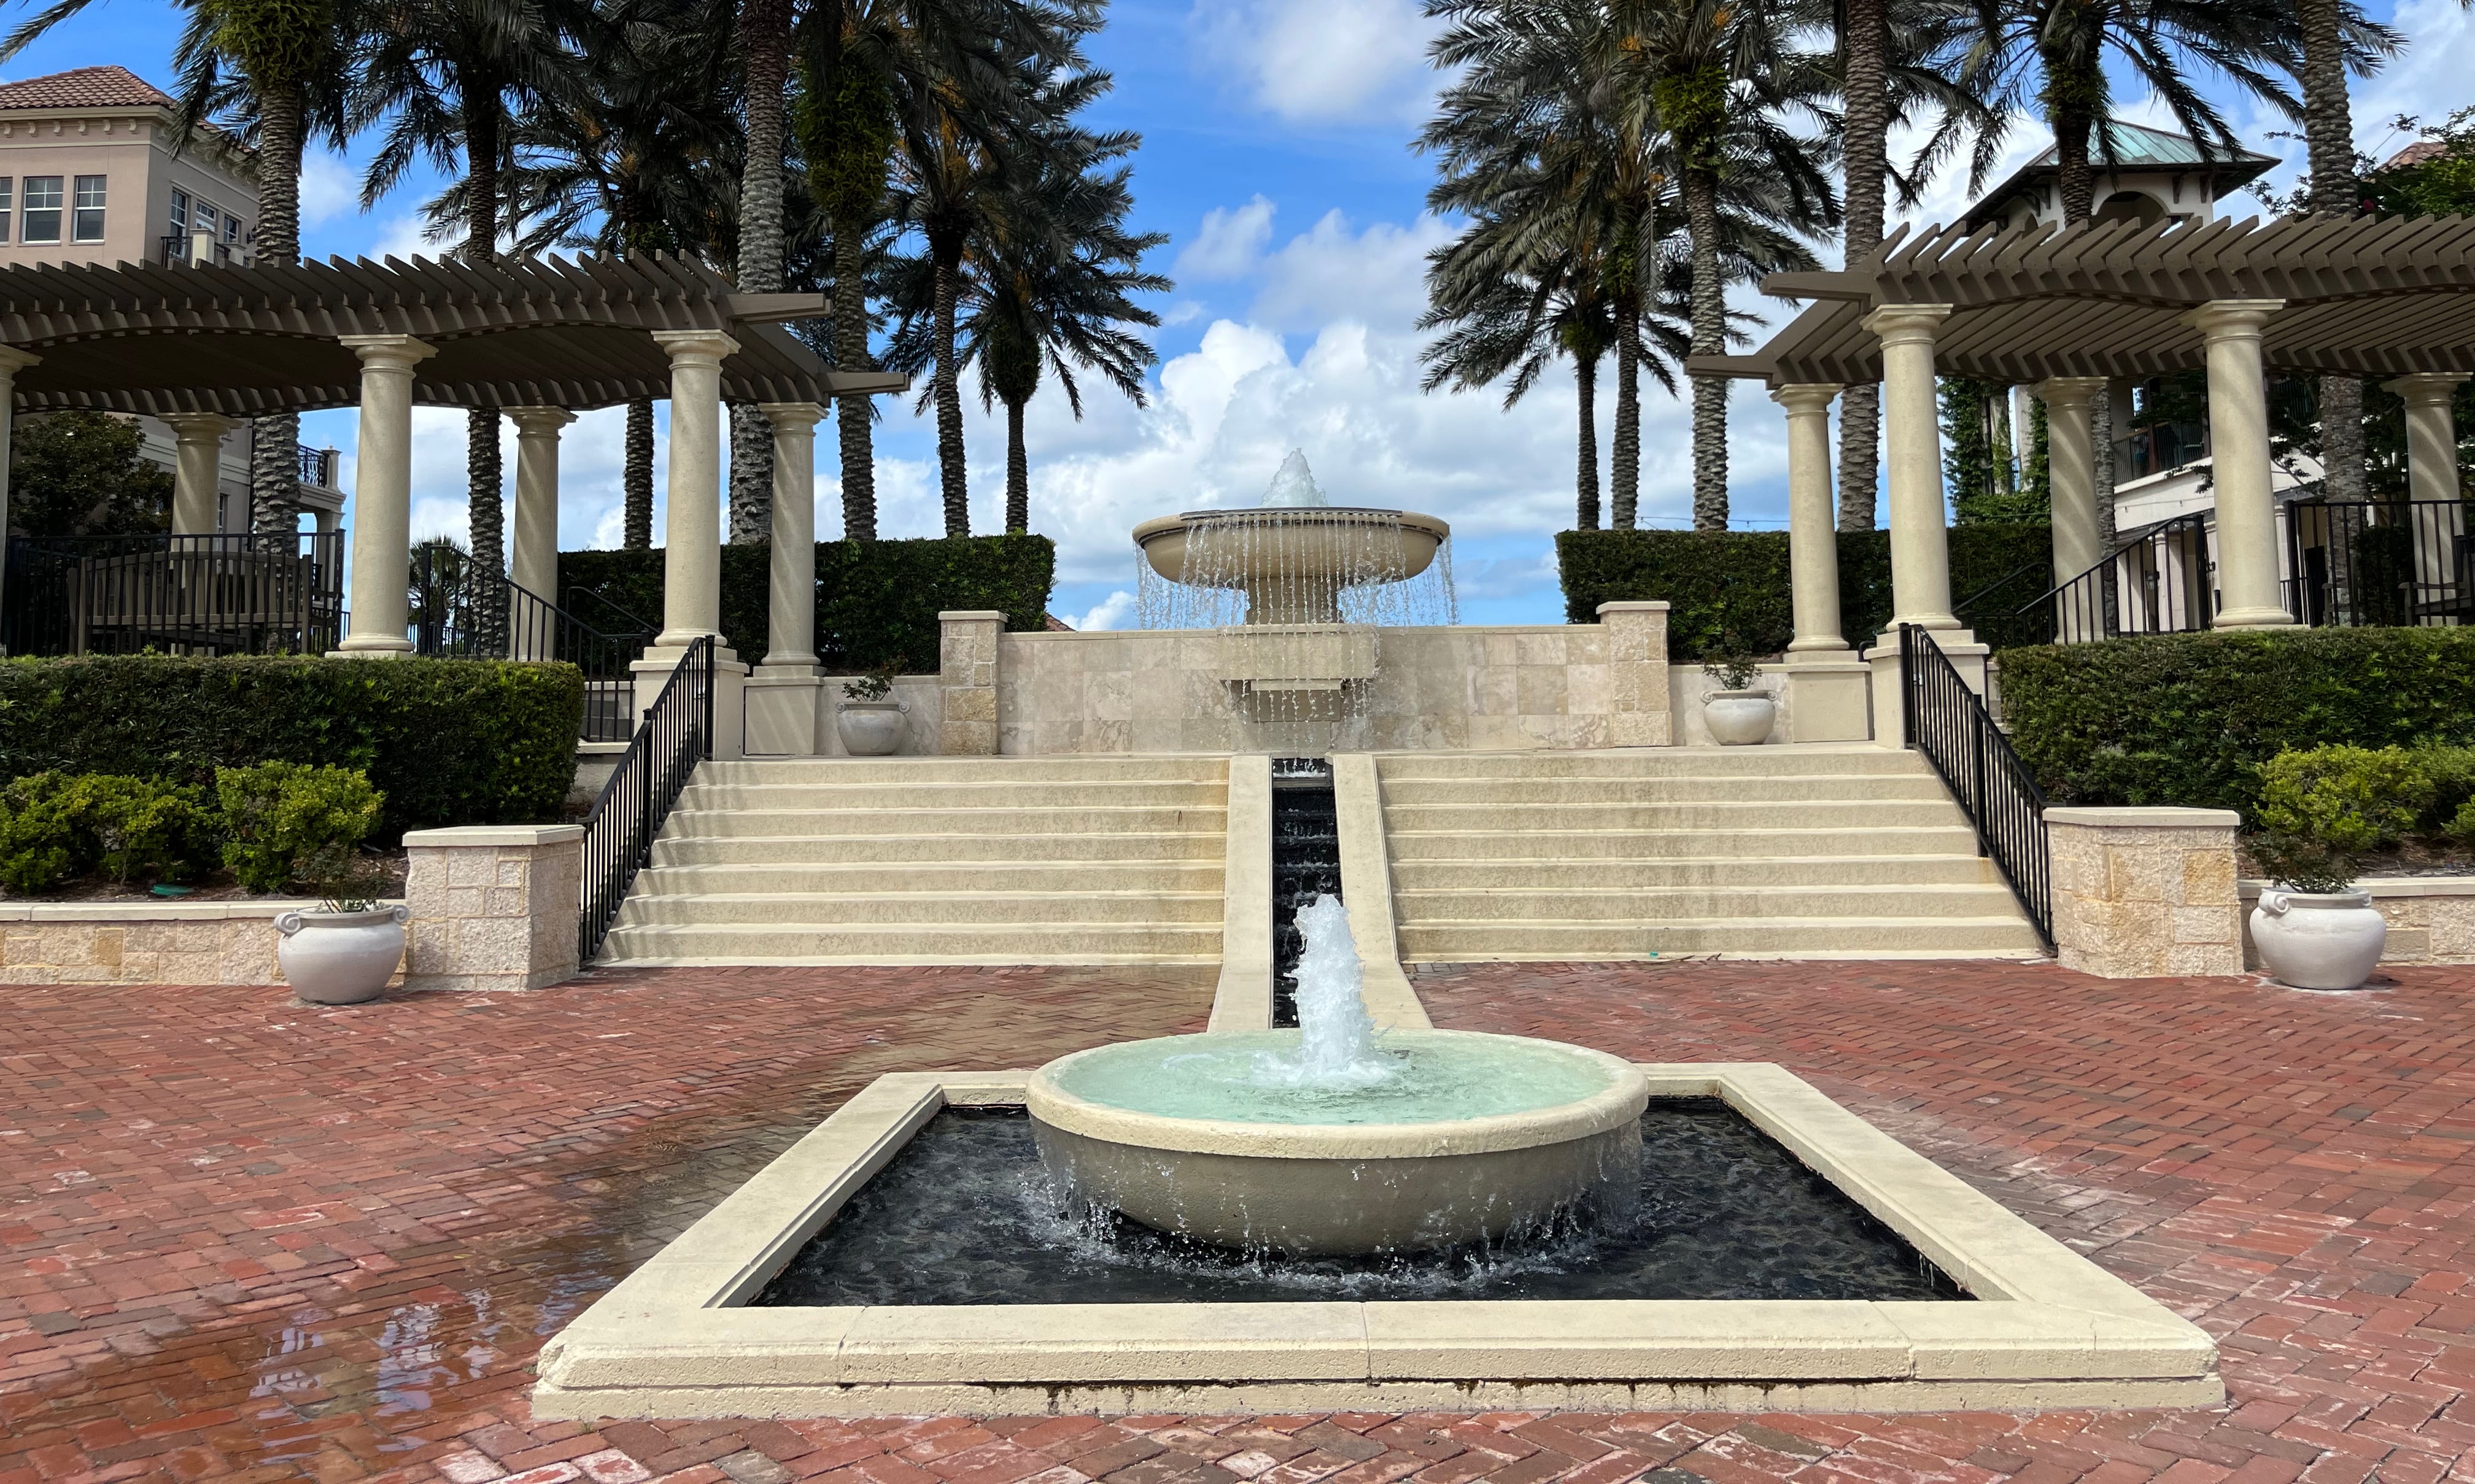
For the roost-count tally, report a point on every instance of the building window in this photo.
(179, 213)
(85, 222)
(7, 199)
(202, 219)
(42, 208)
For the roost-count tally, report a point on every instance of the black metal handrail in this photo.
(460, 611)
(313, 466)
(675, 735)
(2403, 563)
(2160, 581)
(1948, 723)
(236, 593)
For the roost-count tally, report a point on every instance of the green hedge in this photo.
(877, 601)
(2189, 718)
(1719, 581)
(448, 742)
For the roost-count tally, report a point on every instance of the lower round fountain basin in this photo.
(1476, 1136)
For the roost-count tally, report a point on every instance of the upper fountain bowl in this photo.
(1294, 554)
(1471, 1138)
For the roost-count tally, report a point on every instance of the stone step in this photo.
(1661, 788)
(863, 875)
(834, 823)
(1093, 767)
(1061, 912)
(1612, 845)
(956, 848)
(1710, 871)
(1655, 761)
(979, 794)
(915, 944)
(1545, 818)
(1826, 938)
(1661, 905)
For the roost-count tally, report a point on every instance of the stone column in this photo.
(533, 559)
(494, 907)
(1920, 530)
(197, 469)
(12, 361)
(2145, 894)
(692, 558)
(784, 693)
(383, 495)
(2432, 482)
(1826, 682)
(1637, 662)
(2071, 452)
(967, 668)
(2249, 594)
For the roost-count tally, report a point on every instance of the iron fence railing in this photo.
(2400, 563)
(675, 735)
(234, 593)
(459, 611)
(2161, 581)
(1948, 723)
(317, 466)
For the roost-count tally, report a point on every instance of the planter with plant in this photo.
(2320, 810)
(290, 824)
(870, 721)
(1738, 713)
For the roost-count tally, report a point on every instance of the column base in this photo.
(782, 711)
(1889, 711)
(2253, 618)
(1833, 645)
(374, 649)
(729, 694)
(1829, 697)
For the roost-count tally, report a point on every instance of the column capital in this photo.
(1805, 395)
(2425, 388)
(203, 426)
(13, 360)
(791, 415)
(537, 421)
(1908, 324)
(2070, 391)
(692, 346)
(384, 352)
(2221, 318)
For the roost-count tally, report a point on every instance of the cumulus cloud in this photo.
(1113, 612)
(1320, 60)
(1229, 243)
(1331, 275)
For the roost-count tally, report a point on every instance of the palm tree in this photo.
(448, 77)
(844, 113)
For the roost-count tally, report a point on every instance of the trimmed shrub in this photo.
(2344, 797)
(55, 826)
(286, 822)
(877, 601)
(1724, 584)
(446, 742)
(2191, 718)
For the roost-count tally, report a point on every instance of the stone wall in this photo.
(494, 907)
(141, 942)
(2430, 918)
(2142, 893)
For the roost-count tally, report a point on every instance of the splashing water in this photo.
(1294, 485)
(1336, 1036)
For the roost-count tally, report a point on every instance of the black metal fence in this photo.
(459, 610)
(675, 735)
(2400, 563)
(234, 593)
(1948, 723)
(2161, 581)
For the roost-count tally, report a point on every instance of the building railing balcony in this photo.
(234, 593)
(202, 250)
(318, 467)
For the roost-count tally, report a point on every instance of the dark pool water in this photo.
(965, 1215)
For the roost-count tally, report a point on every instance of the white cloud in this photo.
(1113, 612)
(330, 187)
(1330, 275)
(1320, 60)
(1229, 243)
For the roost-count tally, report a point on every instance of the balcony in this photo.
(318, 467)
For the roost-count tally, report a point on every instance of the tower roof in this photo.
(84, 87)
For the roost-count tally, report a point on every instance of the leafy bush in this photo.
(2192, 719)
(446, 742)
(55, 826)
(286, 822)
(1721, 584)
(2344, 797)
(877, 601)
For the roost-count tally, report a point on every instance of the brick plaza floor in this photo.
(243, 1238)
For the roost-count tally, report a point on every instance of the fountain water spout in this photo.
(1335, 1034)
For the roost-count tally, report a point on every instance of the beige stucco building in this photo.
(94, 169)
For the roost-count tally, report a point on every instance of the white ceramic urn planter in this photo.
(1739, 718)
(872, 729)
(2319, 941)
(341, 958)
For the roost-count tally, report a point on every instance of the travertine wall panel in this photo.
(967, 670)
(141, 942)
(2142, 893)
(494, 907)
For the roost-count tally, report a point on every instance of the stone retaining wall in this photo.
(141, 942)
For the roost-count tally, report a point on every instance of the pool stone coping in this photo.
(2049, 1330)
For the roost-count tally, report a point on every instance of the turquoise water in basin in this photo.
(1250, 1077)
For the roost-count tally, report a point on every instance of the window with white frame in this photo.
(42, 208)
(179, 213)
(8, 205)
(85, 214)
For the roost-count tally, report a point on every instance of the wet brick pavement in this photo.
(242, 1238)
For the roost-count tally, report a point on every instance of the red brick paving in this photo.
(245, 1239)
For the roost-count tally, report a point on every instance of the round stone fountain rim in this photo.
(1290, 515)
(1620, 1103)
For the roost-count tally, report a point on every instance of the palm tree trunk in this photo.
(1867, 43)
(485, 477)
(273, 439)
(2072, 124)
(1623, 456)
(1709, 339)
(1586, 383)
(765, 42)
(751, 475)
(851, 354)
(637, 479)
(2329, 132)
(953, 480)
(1017, 517)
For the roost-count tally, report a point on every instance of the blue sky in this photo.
(1276, 157)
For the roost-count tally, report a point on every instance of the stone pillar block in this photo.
(2146, 893)
(967, 669)
(494, 907)
(1637, 673)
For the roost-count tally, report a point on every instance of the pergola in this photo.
(2065, 308)
(539, 339)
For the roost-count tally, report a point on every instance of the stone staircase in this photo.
(1814, 851)
(1059, 859)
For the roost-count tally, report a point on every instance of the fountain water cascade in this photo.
(1299, 589)
(1333, 1138)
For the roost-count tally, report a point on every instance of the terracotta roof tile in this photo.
(84, 87)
